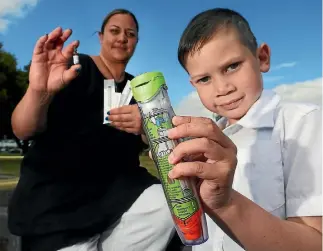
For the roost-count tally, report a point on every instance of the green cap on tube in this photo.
(145, 86)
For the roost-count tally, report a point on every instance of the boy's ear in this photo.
(263, 55)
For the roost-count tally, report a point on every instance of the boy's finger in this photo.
(200, 130)
(178, 120)
(208, 148)
(193, 169)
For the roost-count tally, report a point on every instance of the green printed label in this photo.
(178, 193)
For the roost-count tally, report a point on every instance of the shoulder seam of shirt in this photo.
(302, 109)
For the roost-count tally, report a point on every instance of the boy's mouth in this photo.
(233, 104)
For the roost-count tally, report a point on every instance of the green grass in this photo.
(10, 154)
(12, 165)
(147, 163)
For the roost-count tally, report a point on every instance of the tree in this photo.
(13, 84)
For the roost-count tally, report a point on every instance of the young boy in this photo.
(261, 168)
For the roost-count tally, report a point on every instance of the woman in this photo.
(81, 186)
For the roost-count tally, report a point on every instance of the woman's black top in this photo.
(80, 175)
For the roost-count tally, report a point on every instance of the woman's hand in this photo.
(216, 171)
(126, 118)
(49, 71)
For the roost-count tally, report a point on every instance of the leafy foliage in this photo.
(13, 84)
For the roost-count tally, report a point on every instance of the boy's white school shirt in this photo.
(279, 162)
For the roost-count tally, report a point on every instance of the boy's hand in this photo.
(126, 118)
(217, 171)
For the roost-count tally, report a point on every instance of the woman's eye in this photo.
(114, 31)
(203, 80)
(232, 67)
(131, 34)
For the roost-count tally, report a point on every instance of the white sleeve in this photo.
(302, 156)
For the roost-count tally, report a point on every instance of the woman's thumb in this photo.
(72, 73)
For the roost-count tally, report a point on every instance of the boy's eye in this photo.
(203, 80)
(232, 67)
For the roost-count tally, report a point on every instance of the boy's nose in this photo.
(223, 88)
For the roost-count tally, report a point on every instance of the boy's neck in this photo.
(231, 122)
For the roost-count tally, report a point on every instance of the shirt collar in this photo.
(261, 114)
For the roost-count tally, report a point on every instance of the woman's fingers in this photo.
(56, 33)
(62, 39)
(66, 34)
(70, 74)
(39, 47)
(56, 39)
(52, 38)
(126, 109)
(128, 124)
(120, 117)
(69, 49)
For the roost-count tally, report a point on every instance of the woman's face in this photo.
(119, 39)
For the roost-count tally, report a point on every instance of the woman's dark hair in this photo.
(119, 11)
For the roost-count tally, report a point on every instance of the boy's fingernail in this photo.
(108, 112)
(169, 132)
(106, 118)
(78, 70)
(171, 174)
(171, 158)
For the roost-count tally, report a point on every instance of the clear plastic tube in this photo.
(126, 95)
(108, 94)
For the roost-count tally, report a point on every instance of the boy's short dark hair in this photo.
(203, 27)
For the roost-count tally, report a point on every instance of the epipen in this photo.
(150, 92)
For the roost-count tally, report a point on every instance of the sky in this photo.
(293, 30)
